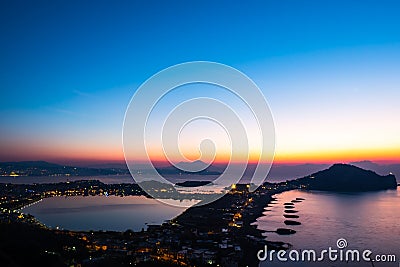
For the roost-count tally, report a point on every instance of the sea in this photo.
(362, 221)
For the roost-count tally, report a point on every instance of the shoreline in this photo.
(223, 233)
(220, 232)
(240, 223)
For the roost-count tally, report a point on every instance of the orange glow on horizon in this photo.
(381, 155)
(342, 156)
(96, 154)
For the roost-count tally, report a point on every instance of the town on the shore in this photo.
(220, 233)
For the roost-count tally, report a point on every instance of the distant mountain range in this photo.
(191, 168)
(378, 168)
(278, 172)
(43, 168)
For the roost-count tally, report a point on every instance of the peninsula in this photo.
(219, 233)
(344, 177)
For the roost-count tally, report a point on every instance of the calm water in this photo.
(366, 220)
(101, 213)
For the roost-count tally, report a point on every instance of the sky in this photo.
(328, 69)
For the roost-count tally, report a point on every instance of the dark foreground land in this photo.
(216, 234)
(219, 233)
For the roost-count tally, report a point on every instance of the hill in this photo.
(196, 167)
(344, 177)
(43, 168)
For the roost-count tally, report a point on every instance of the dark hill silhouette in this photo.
(343, 177)
(379, 168)
(43, 168)
(186, 167)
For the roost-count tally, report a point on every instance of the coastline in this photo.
(328, 216)
(239, 225)
(223, 231)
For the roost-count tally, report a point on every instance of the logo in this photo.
(341, 254)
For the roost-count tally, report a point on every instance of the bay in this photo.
(101, 213)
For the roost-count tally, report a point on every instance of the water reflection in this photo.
(103, 213)
(366, 220)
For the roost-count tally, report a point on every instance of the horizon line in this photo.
(166, 162)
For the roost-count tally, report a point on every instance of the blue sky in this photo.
(69, 68)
